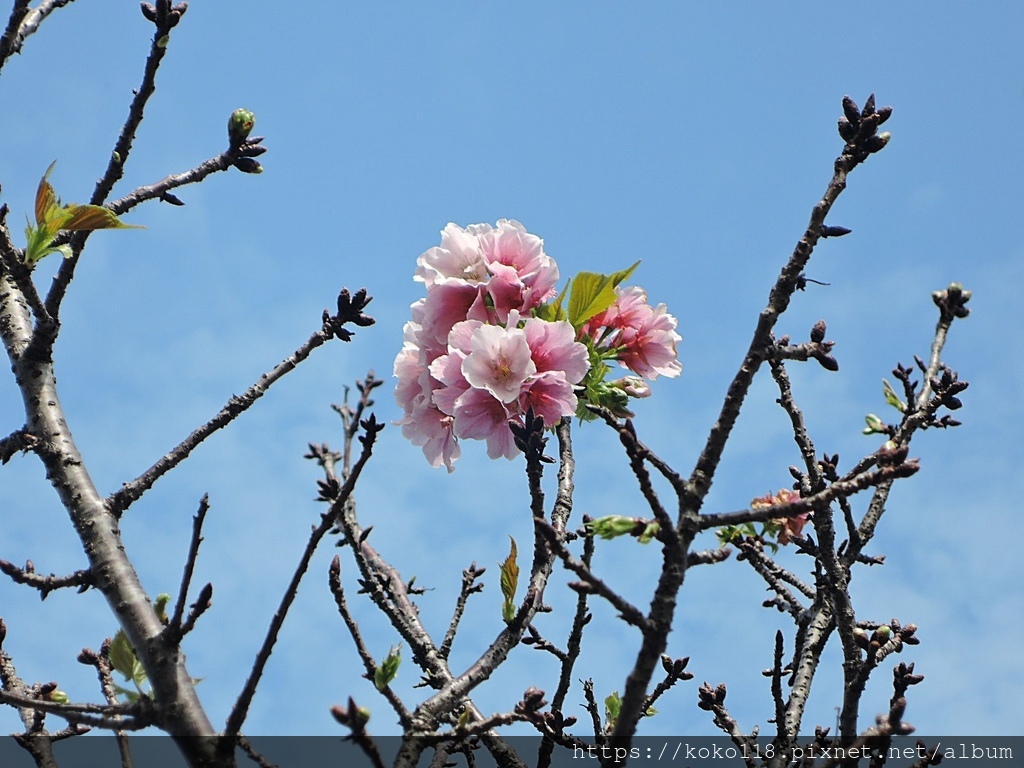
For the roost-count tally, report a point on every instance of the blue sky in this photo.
(696, 139)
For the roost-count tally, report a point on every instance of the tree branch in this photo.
(132, 491)
(23, 22)
(327, 521)
(167, 19)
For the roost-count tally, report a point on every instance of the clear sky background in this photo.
(694, 138)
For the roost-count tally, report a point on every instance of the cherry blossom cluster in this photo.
(785, 528)
(490, 341)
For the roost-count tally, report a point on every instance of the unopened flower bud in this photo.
(633, 386)
(874, 425)
(248, 165)
(240, 125)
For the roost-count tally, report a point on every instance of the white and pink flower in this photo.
(476, 357)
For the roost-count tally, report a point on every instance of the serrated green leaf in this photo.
(592, 294)
(388, 670)
(124, 660)
(53, 218)
(46, 198)
(88, 218)
(509, 582)
(623, 274)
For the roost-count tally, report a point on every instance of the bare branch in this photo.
(174, 626)
(592, 584)
(369, 664)
(856, 151)
(846, 487)
(22, 440)
(469, 587)
(327, 521)
(113, 172)
(132, 491)
(23, 22)
(46, 584)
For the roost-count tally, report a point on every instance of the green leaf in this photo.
(388, 670)
(593, 293)
(124, 660)
(612, 709)
(88, 218)
(891, 398)
(623, 274)
(650, 532)
(732, 534)
(874, 425)
(132, 696)
(612, 526)
(509, 582)
(122, 655)
(53, 218)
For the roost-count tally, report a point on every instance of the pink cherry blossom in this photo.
(553, 347)
(500, 361)
(475, 358)
(426, 426)
(550, 396)
(650, 348)
(646, 334)
(458, 259)
(522, 275)
(481, 416)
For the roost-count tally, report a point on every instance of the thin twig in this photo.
(115, 165)
(328, 519)
(637, 454)
(101, 663)
(369, 663)
(839, 488)
(777, 671)
(246, 746)
(469, 587)
(593, 584)
(132, 491)
(82, 579)
(796, 418)
(196, 540)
